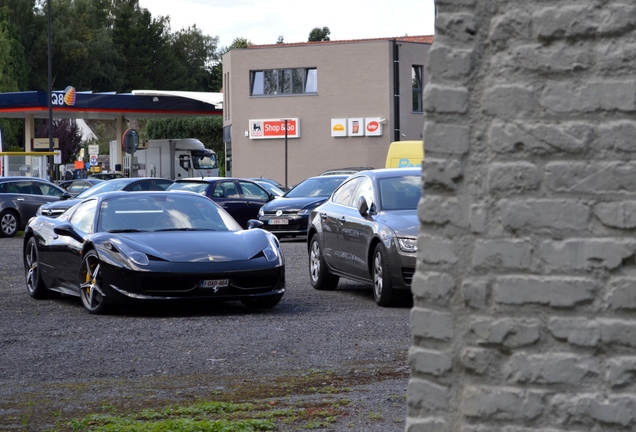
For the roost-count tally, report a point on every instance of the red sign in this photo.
(373, 126)
(275, 128)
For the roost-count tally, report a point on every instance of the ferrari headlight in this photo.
(407, 245)
(135, 256)
(272, 251)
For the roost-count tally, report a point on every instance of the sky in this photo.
(263, 21)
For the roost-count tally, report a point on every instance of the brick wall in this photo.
(525, 291)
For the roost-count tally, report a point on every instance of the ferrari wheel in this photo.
(383, 291)
(320, 277)
(91, 291)
(34, 284)
(8, 224)
(261, 303)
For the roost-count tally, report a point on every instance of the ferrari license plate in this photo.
(278, 222)
(215, 283)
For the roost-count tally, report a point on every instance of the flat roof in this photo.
(69, 103)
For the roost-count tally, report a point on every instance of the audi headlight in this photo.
(407, 245)
(135, 256)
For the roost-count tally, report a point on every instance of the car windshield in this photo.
(163, 212)
(204, 160)
(400, 193)
(107, 186)
(315, 187)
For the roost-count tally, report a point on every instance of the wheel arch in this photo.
(372, 245)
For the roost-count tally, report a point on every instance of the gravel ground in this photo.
(58, 362)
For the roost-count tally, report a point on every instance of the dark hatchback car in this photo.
(77, 186)
(55, 209)
(367, 231)
(20, 198)
(239, 197)
(287, 216)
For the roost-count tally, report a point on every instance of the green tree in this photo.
(216, 69)
(319, 34)
(196, 52)
(13, 76)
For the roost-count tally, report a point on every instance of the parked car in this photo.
(270, 187)
(345, 171)
(76, 187)
(239, 197)
(288, 215)
(367, 231)
(270, 181)
(119, 247)
(107, 176)
(20, 198)
(54, 209)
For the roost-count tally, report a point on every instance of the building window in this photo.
(417, 83)
(276, 82)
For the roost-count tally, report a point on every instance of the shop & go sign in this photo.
(274, 128)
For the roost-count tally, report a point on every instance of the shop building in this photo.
(344, 102)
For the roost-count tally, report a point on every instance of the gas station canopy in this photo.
(110, 106)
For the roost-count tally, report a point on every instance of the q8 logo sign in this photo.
(67, 98)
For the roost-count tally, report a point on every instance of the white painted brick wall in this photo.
(525, 289)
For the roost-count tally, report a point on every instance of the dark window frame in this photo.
(417, 87)
(284, 82)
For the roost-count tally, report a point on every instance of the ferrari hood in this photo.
(199, 246)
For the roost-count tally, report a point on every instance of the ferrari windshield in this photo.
(163, 212)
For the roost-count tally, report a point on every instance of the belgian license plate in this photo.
(278, 222)
(215, 283)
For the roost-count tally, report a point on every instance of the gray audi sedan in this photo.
(367, 231)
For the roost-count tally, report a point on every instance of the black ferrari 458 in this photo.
(135, 246)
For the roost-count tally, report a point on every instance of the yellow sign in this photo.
(43, 143)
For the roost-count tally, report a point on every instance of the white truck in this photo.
(173, 159)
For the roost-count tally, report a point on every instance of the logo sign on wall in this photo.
(373, 126)
(339, 127)
(356, 127)
(274, 128)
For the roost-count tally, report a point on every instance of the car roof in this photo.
(14, 178)
(346, 170)
(391, 172)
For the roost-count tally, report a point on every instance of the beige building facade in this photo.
(344, 101)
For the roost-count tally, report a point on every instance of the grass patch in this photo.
(290, 402)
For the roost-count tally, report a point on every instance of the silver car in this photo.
(367, 231)
(20, 198)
